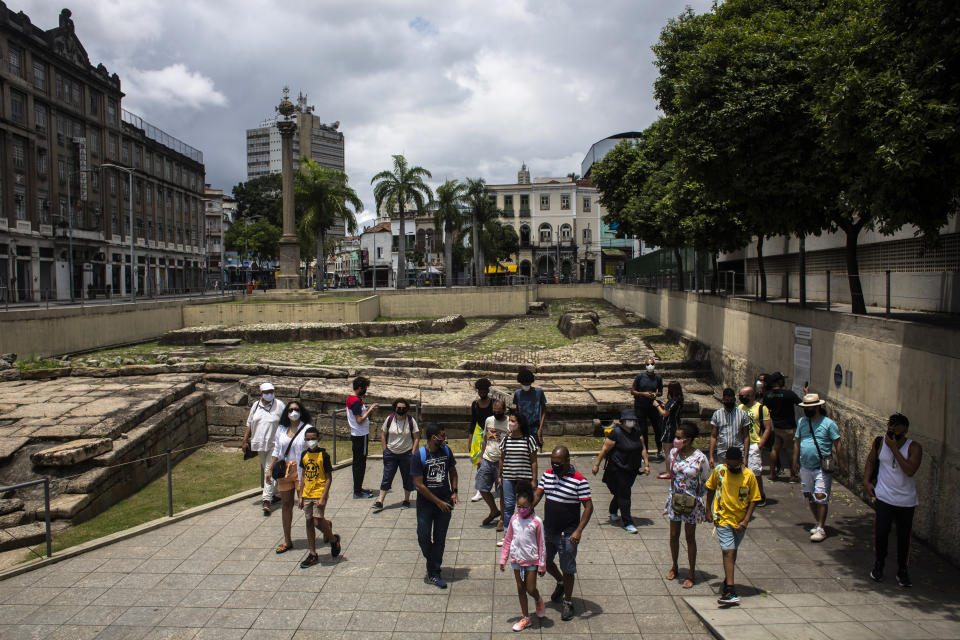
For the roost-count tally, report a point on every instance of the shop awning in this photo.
(614, 253)
(507, 268)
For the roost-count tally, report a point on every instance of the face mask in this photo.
(729, 404)
(268, 398)
(440, 441)
(810, 413)
(558, 469)
(525, 387)
(524, 512)
(629, 424)
(650, 368)
(482, 394)
(734, 469)
(500, 416)
(759, 385)
(677, 444)
(313, 444)
(744, 400)
(401, 411)
(294, 415)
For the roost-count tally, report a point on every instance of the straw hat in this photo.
(812, 400)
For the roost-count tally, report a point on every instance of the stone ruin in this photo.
(578, 322)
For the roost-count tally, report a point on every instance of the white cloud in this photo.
(173, 86)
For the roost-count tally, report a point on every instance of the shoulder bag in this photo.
(279, 468)
(682, 503)
(827, 463)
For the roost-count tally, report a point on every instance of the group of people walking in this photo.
(722, 485)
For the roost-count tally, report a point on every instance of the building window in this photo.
(63, 208)
(94, 103)
(17, 103)
(587, 235)
(112, 110)
(78, 129)
(39, 117)
(16, 62)
(93, 141)
(61, 169)
(146, 162)
(525, 236)
(566, 232)
(545, 203)
(43, 208)
(20, 203)
(379, 252)
(18, 153)
(113, 184)
(40, 76)
(586, 203)
(78, 94)
(508, 203)
(42, 162)
(94, 180)
(524, 203)
(125, 152)
(113, 146)
(114, 221)
(546, 233)
(564, 201)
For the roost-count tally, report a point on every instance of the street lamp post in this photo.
(133, 265)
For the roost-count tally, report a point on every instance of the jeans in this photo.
(650, 414)
(391, 461)
(430, 520)
(509, 488)
(359, 460)
(269, 488)
(620, 485)
(887, 515)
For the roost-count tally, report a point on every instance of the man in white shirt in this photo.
(261, 431)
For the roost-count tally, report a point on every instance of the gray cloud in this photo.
(461, 88)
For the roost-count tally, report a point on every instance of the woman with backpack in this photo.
(400, 436)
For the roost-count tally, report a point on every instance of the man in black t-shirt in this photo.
(434, 474)
(647, 387)
(781, 402)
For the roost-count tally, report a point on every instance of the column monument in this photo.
(289, 276)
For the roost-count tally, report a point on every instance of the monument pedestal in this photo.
(289, 276)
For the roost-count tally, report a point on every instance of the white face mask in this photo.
(313, 444)
(294, 415)
(525, 387)
(650, 367)
(268, 397)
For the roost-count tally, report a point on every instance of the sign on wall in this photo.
(802, 350)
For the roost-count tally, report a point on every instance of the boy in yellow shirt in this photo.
(730, 509)
(313, 487)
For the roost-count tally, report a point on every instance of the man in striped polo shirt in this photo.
(566, 489)
(729, 427)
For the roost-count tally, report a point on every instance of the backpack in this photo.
(386, 428)
(423, 453)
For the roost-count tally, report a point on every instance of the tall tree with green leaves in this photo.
(254, 236)
(447, 219)
(324, 196)
(259, 198)
(397, 189)
(482, 210)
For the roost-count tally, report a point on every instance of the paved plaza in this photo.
(216, 576)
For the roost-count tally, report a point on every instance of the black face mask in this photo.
(500, 416)
(401, 411)
(810, 413)
(744, 400)
(734, 469)
(729, 404)
(559, 469)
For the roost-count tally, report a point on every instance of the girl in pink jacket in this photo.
(523, 544)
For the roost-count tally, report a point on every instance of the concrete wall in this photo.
(467, 301)
(566, 291)
(895, 366)
(312, 310)
(47, 332)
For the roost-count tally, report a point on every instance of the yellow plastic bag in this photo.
(476, 445)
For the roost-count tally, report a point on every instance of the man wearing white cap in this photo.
(261, 430)
(817, 453)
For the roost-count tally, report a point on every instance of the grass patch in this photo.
(37, 363)
(206, 475)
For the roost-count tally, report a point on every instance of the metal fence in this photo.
(48, 297)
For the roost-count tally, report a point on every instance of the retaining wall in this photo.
(466, 301)
(311, 310)
(891, 366)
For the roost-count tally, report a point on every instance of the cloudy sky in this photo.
(461, 88)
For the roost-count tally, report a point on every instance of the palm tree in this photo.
(447, 218)
(396, 189)
(324, 196)
(482, 210)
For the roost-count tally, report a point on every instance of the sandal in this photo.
(490, 518)
(671, 575)
(665, 476)
(310, 560)
(687, 584)
(283, 548)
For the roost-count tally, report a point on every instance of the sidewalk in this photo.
(216, 576)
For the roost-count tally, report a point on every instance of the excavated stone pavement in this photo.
(216, 576)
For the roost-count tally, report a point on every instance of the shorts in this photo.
(486, 475)
(729, 537)
(312, 508)
(558, 543)
(814, 481)
(783, 439)
(755, 460)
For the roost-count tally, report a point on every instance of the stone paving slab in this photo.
(216, 576)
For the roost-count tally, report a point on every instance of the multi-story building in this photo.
(65, 216)
(424, 245)
(344, 261)
(558, 220)
(218, 216)
(376, 248)
(321, 142)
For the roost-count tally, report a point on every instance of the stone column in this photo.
(289, 276)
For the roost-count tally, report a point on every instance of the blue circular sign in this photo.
(838, 375)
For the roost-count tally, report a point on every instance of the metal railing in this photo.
(47, 298)
(46, 505)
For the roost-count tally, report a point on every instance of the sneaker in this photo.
(476, 497)
(436, 581)
(522, 624)
(357, 495)
(818, 536)
(660, 457)
(541, 608)
(499, 543)
(366, 493)
(377, 506)
(266, 508)
(405, 504)
(814, 529)
(876, 574)
(630, 528)
(729, 598)
(557, 594)
(614, 517)
(335, 546)
(762, 503)
(903, 578)
(567, 612)
(310, 560)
